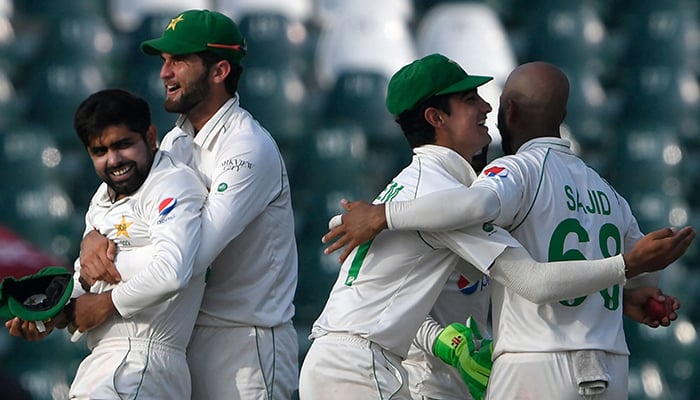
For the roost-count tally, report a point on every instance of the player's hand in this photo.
(657, 250)
(465, 349)
(91, 310)
(97, 255)
(28, 330)
(361, 222)
(633, 306)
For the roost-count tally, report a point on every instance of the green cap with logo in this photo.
(429, 76)
(36, 297)
(194, 31)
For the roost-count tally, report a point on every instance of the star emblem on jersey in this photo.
(122, 227)
(500, 172)
(173, 22)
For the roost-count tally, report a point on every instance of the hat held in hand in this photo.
(37, 297)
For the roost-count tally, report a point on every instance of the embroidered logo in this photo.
(122, 227)
(166, 206)
(173, 22)
(487, 227)
(222, 187)
(465, 286)
(496, 171)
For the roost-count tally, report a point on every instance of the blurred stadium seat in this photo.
(663, 33)
(469, 33)
(276, 96)
(298, 10)
(362, 42)
(569, 34)
(662, 94)
(273, 39)
(126, 15)
(358, 95)
(332, 12)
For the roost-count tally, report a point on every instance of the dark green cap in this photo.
(429, 76)
(199, 30)
(36, 297)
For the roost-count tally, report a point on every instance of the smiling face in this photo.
(122, 158)
(464, 129)
(186, 81)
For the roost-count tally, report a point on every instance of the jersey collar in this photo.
(453, 163)
(559, 144)
(213, 127)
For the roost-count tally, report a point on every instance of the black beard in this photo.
(199, 91)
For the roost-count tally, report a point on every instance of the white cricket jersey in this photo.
(387, 286)
(247, 220)
(559, 209)
(157, 231)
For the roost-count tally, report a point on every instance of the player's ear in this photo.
(152, 137)
(434, 117)
(511, 111)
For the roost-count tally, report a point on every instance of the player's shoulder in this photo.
(169, 171)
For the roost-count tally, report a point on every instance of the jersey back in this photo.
(559, 209)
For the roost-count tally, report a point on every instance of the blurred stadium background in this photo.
(315, 76)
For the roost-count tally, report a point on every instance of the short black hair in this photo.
(417, 130)
(110, 107)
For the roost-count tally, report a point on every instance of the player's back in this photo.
(559, 209)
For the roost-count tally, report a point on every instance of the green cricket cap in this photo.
(429, 76)
(194, 31)
(36, 297)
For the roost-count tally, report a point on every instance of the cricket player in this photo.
(148, 204)
(559, 209)
(387, 286)
(244, 345)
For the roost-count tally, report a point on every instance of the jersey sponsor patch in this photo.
(166, 206)
(494, 171)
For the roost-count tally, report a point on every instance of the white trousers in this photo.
(537, 376)
(128, 368)
(346, 367)
(244, 363)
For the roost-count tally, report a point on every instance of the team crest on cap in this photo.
(173, 22)
(500, 172)
(166, 206)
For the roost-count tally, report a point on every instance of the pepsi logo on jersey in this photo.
(468, 288)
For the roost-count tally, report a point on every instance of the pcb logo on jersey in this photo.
(164, 208)
(494, 171)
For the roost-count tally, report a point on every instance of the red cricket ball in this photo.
(657, 310)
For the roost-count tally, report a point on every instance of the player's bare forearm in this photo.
(97, 259)
(361, 222)
(657, 250)
(635, 306)
(91, 310)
